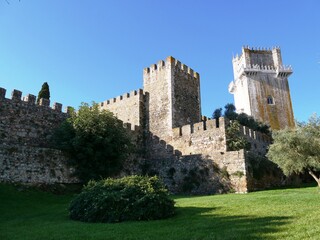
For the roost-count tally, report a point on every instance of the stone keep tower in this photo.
(172, 96)
(261, 88)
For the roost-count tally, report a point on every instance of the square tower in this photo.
(260, 87)
(172, 96)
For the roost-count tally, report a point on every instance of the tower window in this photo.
(270, 100)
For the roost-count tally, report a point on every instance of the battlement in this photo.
(214, 125)
(246, 49)
(265, 58)
(184, 68)
(200, 127)
(254, 69)
(16, 96)
(255, 60)
(255, 135)
(171, 61)
(260, 49)
(155, 67)
(138, 93)
(130, 127)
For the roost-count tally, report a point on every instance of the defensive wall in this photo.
(26, 128)
(201, 148)
(127, 107)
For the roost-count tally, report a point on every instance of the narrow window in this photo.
(270, 100)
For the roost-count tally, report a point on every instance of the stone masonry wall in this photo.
(157, 83)
(173, 96)
(25, 130)
(261, 87)
(205, 143)
(27, 164)
(128, 107)
(186, 106)
(278, 115)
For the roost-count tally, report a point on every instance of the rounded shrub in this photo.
(116, 200)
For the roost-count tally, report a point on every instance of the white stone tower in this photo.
(260, 86)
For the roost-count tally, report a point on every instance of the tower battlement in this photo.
(170, 62)
(264, 58)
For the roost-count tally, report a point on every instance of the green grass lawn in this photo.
(275, 214)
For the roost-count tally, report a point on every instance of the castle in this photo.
(188, 151)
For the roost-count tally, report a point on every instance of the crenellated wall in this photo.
(25, 132)
(21, 119)
(127, 107)
(205, 143)
(26, 129)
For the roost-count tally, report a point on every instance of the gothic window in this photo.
(270, 100)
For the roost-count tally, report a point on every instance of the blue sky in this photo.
(94, 50)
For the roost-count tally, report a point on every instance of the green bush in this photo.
(116, 200)
(95, 141)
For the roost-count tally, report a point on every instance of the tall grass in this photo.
(275, 214)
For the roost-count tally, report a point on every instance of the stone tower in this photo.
(172, 96)
(260, 86)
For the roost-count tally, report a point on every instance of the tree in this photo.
(298, 150)
(217, 113)
(44, 92)
(95, 142)
(230, 111)
(243, 118)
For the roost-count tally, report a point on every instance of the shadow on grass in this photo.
(203, 223)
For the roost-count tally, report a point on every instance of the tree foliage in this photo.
(230, 111)
(95, 142)
(235, 141)
(243, 118)
(298, 150)
(124, 199)
(44, 92)
(217, 113)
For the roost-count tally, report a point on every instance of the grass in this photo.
(275, 214)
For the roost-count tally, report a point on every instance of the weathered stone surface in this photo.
(261, 87)
(27, 164)
(28, 124)
(128, 107)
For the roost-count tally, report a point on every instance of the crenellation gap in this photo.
(57, 107)
(30, 99)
